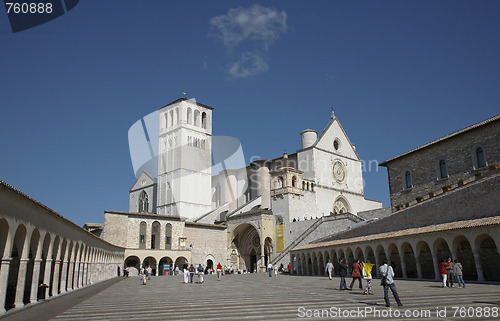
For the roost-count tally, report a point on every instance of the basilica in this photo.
(244, 218)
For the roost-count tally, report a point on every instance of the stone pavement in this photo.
(259, 297)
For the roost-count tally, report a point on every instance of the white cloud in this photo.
(258, 28)
(249, 65)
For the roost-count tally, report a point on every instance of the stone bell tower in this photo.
(184, 165)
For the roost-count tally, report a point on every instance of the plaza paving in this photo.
(259, 297)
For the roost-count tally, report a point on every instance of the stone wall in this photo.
(474, 200)
(458, 153)
(207, 242)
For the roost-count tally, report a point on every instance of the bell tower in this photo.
(185, 159)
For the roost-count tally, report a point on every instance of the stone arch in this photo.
(197, 120)
(464, 254)
(358, 254)
(321, 264)
(294, 181)
(151, 262)
(165, 260)
(204, 120)
(4, 238)
(133, 263)
(209, 261)
(189, 116)
(341, 205)
(17, 253)
(395, 259)
(155, 235)
(181, 262)
(380, 254)
(488, 257)
(247, 241)
(309, 264)
(441, 249)
(32, 255)
(349, 256)
(409, 259)
(424, 257)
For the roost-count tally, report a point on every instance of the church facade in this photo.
(241, 217)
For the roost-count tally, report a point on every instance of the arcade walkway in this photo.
(255, 297)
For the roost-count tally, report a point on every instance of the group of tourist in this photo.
(364, 270)
(450, 269)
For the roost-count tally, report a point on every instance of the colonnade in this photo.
(414, 255)
(44, 255)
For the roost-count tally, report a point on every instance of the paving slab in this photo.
(260, 297)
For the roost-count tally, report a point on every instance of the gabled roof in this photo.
(343, 131)
(139, 177)
(459, 132)
(184, 99)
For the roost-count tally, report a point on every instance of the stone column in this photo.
(64, 276)
(55, 280)
(419, 268)
(262, 257)
(479, 267)
(4, 277)
(35, 281)
(46, 277)
(377, 265)
(403, 267)
(435, 263)
(85, 273)
(79, 276)
(71, 271)
(21, 281)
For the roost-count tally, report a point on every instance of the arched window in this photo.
(197, 118)
(312, 187)
(204, 120)
(155, 236)
(189, 116)
(280, 182)
(294, 181)
(303, 185)
(443, 171)
(142, 235)
(176, 116)
(143, 202)
(171, 118)
(168, 237)
(408, 181)
(166, 119)
(481, 159)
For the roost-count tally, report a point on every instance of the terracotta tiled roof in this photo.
(484, 122)
(487, 221)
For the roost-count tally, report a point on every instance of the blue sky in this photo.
(398, 74)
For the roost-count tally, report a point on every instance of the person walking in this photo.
(219, 271)
(356, 274)
(276, 270)
(144, 275)
(443, 270)
(450, 273)
(201, 270)
(342, 273)
(387, 272)
(329, 268)
(186, 273)
(458, 269)
(270, 269)
(149, 272)
(367, 275)
(191, 272)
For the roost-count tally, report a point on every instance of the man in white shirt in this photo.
(270, 269)
(329, 268)
(387, 271)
